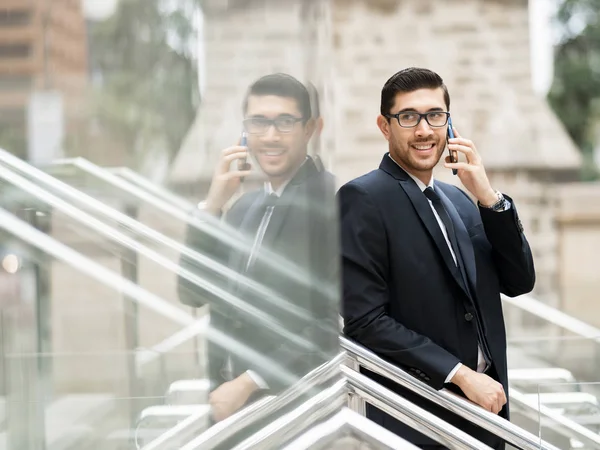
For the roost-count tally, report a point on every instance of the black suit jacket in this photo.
(403, 296)
(297, 264)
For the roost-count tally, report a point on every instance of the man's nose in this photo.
(271, 135)
(423, 129)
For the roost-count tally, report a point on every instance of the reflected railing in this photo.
(88, 177)
(43, 406)
(150, 237)
(92, 223)
(152, 188)
(109, 233)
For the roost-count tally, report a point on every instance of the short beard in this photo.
(404, 159)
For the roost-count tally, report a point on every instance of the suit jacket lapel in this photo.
(462, 236)
(423, 209)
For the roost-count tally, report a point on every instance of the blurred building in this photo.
(43, 47)
(348, 49)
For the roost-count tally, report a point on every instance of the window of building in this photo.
(15, 50)
(14, 18)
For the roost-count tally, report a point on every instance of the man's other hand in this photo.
(228, 398)
(480, 389)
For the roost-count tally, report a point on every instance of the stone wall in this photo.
(578, 221)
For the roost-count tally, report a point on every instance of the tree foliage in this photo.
(575, 93)
(144, 68)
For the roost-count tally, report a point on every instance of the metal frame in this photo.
(409, 413)
(460, 406)
(348, 423)
(227, 428)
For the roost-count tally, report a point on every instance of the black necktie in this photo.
(441, 211)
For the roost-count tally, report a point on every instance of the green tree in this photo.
(575, 92)
(144, 68)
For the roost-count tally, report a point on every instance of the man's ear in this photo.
(309, 129)
(319, 126)
(384, 125)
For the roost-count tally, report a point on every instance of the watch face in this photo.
(499, 204)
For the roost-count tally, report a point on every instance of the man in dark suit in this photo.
(290, 229)
(423, 266)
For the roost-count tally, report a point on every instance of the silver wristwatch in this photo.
(500, 205)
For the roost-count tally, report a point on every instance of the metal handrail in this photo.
(324, 404)
(348, 422)
(318, 407)
(409, 413)
(555, 316)
(502, 428)
(194, 425)
(220, 432)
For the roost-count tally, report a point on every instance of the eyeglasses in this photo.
(260, 125)
(410, 119)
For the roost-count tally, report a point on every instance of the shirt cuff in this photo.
(262, 384)
(452, 373)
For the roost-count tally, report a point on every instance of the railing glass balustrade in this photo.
(73, 373)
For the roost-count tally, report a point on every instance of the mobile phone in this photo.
(243, 162)
(453, 157)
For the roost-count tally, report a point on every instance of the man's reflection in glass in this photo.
(291, 217)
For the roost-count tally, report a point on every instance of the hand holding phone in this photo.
(453, 155)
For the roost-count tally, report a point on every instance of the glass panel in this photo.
(150, 86)
(537, 342)
(564, 414)
(553, 374)
(73, 375)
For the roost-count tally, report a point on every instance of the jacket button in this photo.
(468, 317)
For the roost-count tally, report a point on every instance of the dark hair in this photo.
(409, 80)
(281, 85)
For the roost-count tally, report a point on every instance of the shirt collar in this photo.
(421, 185)
(269, 189)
